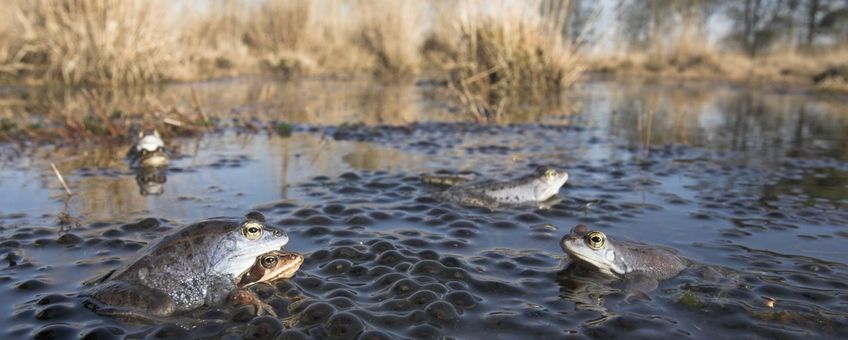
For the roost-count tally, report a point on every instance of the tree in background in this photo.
(669, 27)
(761, 25)
(666, 27)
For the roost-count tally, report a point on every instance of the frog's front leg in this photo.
(243, 296)
(549, 203)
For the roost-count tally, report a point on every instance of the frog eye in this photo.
(596, 240)
(252, 230)
(269, 261)
(550, 173)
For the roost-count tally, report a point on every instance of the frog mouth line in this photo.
(601, 267)
(245, 260)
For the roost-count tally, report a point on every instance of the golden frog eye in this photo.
(596, 240)
(252, 230)
(269, 261)
(550, 173)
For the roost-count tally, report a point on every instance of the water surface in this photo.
(751, 185)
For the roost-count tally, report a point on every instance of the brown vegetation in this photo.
(64, 115)
(98, 41)
(390, 31)
(496, 56)
(824, 72)
(137, 41)
(89, 115)
(502, 55)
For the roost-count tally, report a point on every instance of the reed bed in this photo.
(88, 42)
(506, 55)
(496, 57)
(391, 31)
(138, 41)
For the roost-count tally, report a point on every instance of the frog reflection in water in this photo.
(199, 265)
(534, 188)
(641, 266)
(151, 181)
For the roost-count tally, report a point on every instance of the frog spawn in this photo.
(427, 294)
(807, 294)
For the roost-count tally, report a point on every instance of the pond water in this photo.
(753, 185)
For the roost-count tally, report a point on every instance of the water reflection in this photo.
(151, 181)
(766, 126)
(305, 101)
(587, 289)
(206, 177)
(716, 208)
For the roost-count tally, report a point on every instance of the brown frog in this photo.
(269, 267)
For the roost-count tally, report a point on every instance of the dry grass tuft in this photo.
(508, 54)
(231, 38)
(390, 32)
(495, 54)
(115, 42)
(90, 42)
(275, 26)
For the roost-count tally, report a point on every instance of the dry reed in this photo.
(389, 31)
(61, 179)
(90, 42)
(509, 53)
(510, 49)
(278, 25)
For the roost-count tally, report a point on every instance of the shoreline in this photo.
(37, 116)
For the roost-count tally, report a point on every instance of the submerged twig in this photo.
(61, 179)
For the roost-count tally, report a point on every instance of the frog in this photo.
(641, 266)
(536, 188)
(191, 267)
(269, 267)
(148, 151)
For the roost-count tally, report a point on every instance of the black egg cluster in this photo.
(381, 288)
(386, 260)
